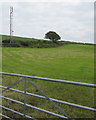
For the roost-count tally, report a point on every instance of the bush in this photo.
(6, 41)
(31, 43)
(14, 43)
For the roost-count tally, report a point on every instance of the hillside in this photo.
(73, 62)
(29, 42)
(32, 42)
(6, 37)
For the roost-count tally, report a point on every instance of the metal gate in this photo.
(44, 96)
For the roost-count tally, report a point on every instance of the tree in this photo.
(52, 36)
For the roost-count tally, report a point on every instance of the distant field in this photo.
(6, 37)
(72, 62)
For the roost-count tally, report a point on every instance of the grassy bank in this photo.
(72, 62)
(32, 42)
(29, 42)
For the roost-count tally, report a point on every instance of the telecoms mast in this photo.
(11, 23)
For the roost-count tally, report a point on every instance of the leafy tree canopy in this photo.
(52, 36)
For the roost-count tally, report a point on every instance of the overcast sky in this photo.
(73, 21)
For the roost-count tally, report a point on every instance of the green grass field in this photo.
(70, 62)
(73, 62)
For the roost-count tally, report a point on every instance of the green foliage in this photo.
(33, 43)
(52, 36)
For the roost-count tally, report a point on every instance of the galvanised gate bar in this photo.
(44, 96)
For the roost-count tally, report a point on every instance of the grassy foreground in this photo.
(69, 62)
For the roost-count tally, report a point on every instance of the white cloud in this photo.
(34, 19)
(74, 2)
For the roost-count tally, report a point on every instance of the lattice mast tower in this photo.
(11, 24)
